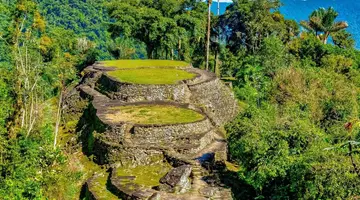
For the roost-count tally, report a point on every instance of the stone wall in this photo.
(107, 152)
(166, 133)
(89, 194)
(216, 99)
(138, 144)
(127, 92)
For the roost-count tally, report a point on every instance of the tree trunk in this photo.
(58, 119)
(217, 68)
(326, 37)
(179, 50)
(149, 52)
(208, 35)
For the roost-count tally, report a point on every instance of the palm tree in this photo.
(208, 35)
(322, 23)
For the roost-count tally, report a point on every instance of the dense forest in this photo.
(298, 85)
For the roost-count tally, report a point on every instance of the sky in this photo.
(222, 1)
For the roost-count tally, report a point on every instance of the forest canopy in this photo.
(298, 133)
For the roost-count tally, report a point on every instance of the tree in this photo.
(91, 21)
(343, 39)
(29, 25)
(247, 23)
(167, 28)
(208, 34)
(322, 23)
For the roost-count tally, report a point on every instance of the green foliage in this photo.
(281, 143)
(343, 39)
(322, 23)
(168, 28)
(298, 93)
(87, 19)
(309, 48)
(246, 23)
(37, 62)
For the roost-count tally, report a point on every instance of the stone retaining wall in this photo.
(216, 99)
(127, 92)
(108, 153)
(89, 194)
(168, 133)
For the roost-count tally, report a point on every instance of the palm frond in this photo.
(307, 26)
(338, 26)
(316, 23)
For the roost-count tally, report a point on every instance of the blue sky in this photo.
(222, 1)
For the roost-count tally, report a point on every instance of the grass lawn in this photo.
(154, 114)
(148, 176)
(151, 76)
(131, 64)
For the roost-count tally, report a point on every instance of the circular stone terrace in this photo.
(156, 113)
(147, 72)
(152, 114)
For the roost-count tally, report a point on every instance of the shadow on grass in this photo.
(89, 124)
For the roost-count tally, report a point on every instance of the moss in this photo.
(98, 186)
(131, 64)
(154, 114)
(68, 178)
(148, 176)
(152, 76)
(231, 167)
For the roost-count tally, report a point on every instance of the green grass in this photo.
(99, 186)
(154, 114)
(151, 76)
(148, 176)
(131, 64)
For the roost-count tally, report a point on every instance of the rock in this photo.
(155, 196)
(177, 180)
(208, 191)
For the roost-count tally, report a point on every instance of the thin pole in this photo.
(217, 71)
(208, 35)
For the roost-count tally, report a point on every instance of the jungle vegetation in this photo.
(297, 136)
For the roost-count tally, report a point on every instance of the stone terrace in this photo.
(119, 143)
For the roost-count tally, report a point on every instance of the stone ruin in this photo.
(186, 147)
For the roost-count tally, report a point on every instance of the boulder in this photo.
(177, 180)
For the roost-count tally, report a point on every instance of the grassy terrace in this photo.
(148, 176)
(154, 114)
(99, 186)
(132, 64)
(151, 76)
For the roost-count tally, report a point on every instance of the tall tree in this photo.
(246, 23)
(322, 23)
(208, 35)
(165, 27)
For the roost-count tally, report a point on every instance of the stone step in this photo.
(217, 146)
